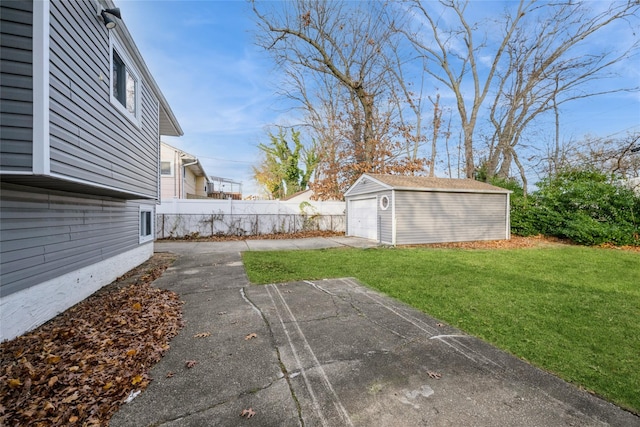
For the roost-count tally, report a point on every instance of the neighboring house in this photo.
(300, 196)
(224, 188)
(79, 157)
(400, 210)
(182, 175)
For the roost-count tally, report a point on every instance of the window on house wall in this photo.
(125, 83)
(146, 224)
(165, 168)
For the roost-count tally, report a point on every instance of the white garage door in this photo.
(362, 219)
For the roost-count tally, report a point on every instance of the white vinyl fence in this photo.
(178, 218)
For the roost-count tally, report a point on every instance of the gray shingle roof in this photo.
(440, 184)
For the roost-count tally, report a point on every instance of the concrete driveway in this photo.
(334, 353)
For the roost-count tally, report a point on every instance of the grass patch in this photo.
(573, 311)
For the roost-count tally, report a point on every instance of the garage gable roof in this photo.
(423, 183)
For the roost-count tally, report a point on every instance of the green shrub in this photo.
(585, 206)
(522, 213)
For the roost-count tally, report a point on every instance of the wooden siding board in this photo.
(47, 234)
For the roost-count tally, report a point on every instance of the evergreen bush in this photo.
(583, 205)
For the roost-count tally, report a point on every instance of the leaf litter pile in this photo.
(82, 365)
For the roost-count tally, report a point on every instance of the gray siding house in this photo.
(81, 119)
(401, 210)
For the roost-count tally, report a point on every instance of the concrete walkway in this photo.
(333, 353)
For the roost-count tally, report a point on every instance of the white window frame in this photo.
(170, 168)
(384, 202)
(143, 237)
(115, 44)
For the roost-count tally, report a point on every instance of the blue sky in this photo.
(216, 80)
(222, 87)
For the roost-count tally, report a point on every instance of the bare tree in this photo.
(331, 38)
(511, 62)
(343, 66)
(454, 66)
(619, 157)
(547, 67)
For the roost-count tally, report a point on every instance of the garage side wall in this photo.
(385, 218)
(435, 217)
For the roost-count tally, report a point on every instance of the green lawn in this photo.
(574, 311)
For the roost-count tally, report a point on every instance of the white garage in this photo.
(362, 218)
(405, 210)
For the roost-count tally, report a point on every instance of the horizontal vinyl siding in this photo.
(364, 187)
(431, 217)
(385, 219)
(16, 85)
(46, 234)
(91, 140)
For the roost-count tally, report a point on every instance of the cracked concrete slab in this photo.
(335, 353)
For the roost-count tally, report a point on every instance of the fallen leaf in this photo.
(247, 413)
(53, 359)
(250, 336)
(170, 374)
(52, 381)
(76, 369)
(190, 363)
(14, 383)
(434, 375)
(137, 306)
(136, 380)
(71, 398)
(202, 335)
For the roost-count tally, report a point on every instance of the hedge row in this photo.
(584, 206)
